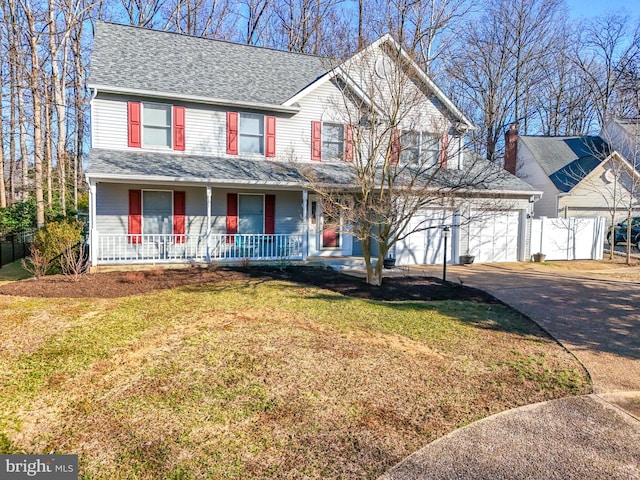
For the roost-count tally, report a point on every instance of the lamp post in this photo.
(446, 233)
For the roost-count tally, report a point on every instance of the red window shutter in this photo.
(135, 216)
(232, 216)
(348, 143)
(444, 147)
(178, 128)
(134, 124)
(316, 141)
(269, 214)
(179, 210)
(232, 133)
(395, 146)
(270, 137)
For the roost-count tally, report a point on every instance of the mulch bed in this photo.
(121, 284)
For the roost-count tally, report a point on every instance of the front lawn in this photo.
(260, 378)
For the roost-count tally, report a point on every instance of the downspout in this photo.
(93, 228)
(94, 94)
(558, 196)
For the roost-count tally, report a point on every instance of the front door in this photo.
(330, 230)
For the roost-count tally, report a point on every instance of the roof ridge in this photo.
(228, 42)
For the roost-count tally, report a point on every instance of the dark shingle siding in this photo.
(142, 59)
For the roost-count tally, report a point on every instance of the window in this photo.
(156, 121)
(251, 133)
(419, 147)
(157, 212)
(250, 214)
(332, 141)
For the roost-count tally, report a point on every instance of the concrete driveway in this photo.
(595, 317)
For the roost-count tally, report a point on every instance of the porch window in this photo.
(251, 133)
(156, 121)
(419, 147)
(251, 214)
(157, 212)
(332, 141)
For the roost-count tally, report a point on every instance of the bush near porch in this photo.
(260, 378)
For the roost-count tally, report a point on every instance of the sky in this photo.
(591, 8)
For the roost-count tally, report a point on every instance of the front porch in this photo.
(169, 248)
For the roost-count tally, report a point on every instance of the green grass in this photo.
(258, 379)
(12, 272)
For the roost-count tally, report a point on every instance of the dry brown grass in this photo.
(134, 277)
(263, 380)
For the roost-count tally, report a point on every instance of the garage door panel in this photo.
(424, 247)
(493, 237)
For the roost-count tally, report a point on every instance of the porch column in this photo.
(305, 224)
(93, 228)
(208, 258)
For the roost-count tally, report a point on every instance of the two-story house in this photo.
(197, 143)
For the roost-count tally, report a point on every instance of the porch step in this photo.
(338, 263)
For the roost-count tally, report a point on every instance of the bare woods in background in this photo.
(501, 61)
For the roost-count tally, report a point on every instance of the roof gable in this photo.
(567, 160)
(344, 72)
(138, 59)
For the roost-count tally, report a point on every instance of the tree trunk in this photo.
(48, 146)
(34, 78)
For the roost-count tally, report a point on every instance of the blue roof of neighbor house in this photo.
(134, 58)
(567, 160)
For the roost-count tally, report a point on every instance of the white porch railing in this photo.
(178, 248)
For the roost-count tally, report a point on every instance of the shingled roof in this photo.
(138, 59)
(479, 174)
(567, 160)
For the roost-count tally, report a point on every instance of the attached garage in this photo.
(493, 236)
(426, 246)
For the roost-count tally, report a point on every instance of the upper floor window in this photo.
(332, 141)
(251, 133)
(419, 147)
(156, 125)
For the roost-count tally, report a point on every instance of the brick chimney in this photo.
(511, 148)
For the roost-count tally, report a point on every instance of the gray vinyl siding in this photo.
(528, 169)
(288, 210)
(112, 207)
(109, 123)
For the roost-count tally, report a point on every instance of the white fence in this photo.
(568, 238)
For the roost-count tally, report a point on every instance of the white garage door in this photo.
(424, 247)
(493, 236)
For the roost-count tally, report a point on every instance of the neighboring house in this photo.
(580, 176)
(193, 149)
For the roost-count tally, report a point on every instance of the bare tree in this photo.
(202, 18)
(142, 13)
(400, 157)
(498, 62)
(35, 86)
(607, 47)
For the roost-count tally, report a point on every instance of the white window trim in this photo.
(421, 144)
(322, 142)
(263, 212)
(157, 147)
(142, 208)
(262, 136)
